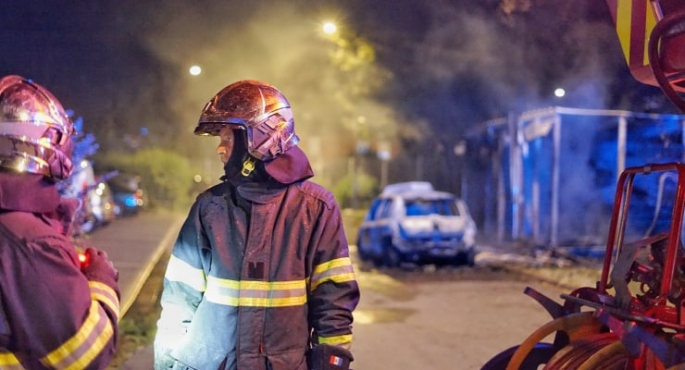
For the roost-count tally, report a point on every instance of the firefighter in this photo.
(260, 275)
(56, 311)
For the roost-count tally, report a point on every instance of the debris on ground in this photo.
(555, 265)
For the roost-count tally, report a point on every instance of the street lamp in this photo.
(329, 28)
(195, 70)
(460, 148)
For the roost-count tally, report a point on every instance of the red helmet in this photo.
(35, 131)
(259, 109)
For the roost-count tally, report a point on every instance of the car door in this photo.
(374, 227)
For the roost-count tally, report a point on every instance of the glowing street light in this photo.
(559, 93)
(329, 28)
(195, 70)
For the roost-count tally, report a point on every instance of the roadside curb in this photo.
(132, 291)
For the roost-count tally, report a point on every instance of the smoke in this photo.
(520, 58)
(476, 61)
(441, 67)
(278, 43)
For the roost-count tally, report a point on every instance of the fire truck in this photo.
(634, 317)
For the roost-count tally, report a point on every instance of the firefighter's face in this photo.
(226, 144)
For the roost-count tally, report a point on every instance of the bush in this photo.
(352, 219)
(367, 189)
(166, 176)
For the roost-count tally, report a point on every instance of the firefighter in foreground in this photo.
(260, 275)
(55, 311)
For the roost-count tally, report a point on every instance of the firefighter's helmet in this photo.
(35, 131)
(256, 107)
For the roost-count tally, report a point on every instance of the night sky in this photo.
(440, 66)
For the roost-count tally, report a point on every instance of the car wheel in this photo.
(391, 256)
(466, 258)
(361, 251)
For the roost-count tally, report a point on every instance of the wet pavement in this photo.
(135, 244)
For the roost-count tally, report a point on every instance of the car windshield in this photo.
(423, 207)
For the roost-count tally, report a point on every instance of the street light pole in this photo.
(383, 153)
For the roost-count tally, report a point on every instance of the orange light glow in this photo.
(82, 258)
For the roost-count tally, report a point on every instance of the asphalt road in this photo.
(442, 319)
(134, 244)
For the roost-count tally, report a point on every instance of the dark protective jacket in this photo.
(51, 315)
(246, 289)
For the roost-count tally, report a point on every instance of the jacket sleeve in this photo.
(333, 290)
(184, 287)
(56, 318)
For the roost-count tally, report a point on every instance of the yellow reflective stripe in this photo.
(105, 294)
(344, 261)
(338, 270)
(8, 361)
(624, 13)
(252, 293)
(180, 271)
(80, 350)
(340, 339)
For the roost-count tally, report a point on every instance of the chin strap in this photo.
(248, 167)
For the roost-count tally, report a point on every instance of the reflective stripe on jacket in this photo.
(246, 293)
(55, 317)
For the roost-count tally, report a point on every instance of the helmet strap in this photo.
(248, 166)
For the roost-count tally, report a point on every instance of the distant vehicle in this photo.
(129, 197)
(102, 204)
(97, 205)
(411, 222)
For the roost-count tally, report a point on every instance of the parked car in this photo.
(129, 197)
(411, 222)
(102, 203)
(96, 203)
(97, 207)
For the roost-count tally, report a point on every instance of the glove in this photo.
(98, 267)
(327, 357)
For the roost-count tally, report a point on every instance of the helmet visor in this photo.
(212, 128)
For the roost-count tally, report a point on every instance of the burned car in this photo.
(411, 222)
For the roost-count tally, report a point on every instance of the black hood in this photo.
(288, 168)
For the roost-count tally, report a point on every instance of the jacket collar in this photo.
(260, 193)
(35, 194)
(288, 168)
(28, 193)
